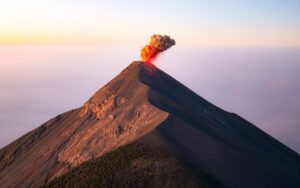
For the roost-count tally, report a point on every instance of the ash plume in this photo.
(158, 43)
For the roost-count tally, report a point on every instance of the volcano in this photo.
(145, 129)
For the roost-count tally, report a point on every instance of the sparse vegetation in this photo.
(135, 165)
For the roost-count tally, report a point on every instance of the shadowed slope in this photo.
(223, 144)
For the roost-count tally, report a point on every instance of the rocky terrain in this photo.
(181, 134)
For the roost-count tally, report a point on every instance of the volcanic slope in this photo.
(167, 129)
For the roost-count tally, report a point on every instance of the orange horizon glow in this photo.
(201, 24)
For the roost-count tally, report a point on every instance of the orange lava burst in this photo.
(158, 43)
(148, 53)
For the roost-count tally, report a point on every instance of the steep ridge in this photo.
(145, 105)
(116, 115)
(222, 144)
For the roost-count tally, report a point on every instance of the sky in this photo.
(210, 23)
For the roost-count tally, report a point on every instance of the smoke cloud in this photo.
(158, 44)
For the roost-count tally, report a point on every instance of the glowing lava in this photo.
(158, 44)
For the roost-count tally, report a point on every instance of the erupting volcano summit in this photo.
(158, 44)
